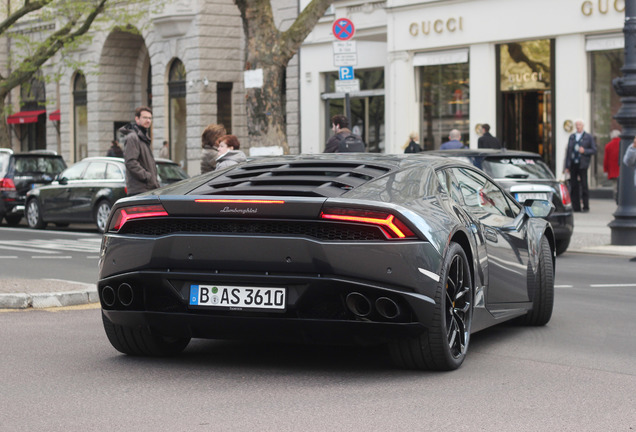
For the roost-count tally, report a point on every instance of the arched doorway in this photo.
(80, 118)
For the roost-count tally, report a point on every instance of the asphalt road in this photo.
(59, 373)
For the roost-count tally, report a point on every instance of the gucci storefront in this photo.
(529, 69)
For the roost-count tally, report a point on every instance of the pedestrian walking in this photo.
(581, 147)
(486, 140)
(229, 153)
(611, 160)
(453, 142)
(209, 151)
(164, 153)
(115, 150)
(343, 140)
(141, 170)
(412, 146)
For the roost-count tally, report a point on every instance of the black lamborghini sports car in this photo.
(411, 251)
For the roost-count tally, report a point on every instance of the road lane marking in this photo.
(51, 257)
(8, 256)
(23, 249)
(613, 285)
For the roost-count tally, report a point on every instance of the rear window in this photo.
(39, 165)
(170, 172)
(517, 168)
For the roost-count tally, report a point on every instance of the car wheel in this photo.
(543, 300)
(101, 215)
(13, 220)
(141, 341)
(34, 214)
(562, 245)
(444, 345)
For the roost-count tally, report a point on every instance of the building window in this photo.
(444, 103)
(177, 113)
(33, 98)
(606, 65)
(367, 107)
(224, 105)
(80, 126)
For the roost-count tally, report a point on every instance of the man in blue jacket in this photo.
(581, 147)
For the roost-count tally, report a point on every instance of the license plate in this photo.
(237, 297)
(521, 197)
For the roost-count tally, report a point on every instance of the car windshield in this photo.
(39, 165)
(517, 168)
(170, 172)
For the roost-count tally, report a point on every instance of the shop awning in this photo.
(55, 115)
(24, 117)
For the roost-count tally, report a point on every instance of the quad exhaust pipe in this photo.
(124, 294)
(361, 306)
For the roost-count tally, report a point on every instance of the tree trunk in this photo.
(271, 50)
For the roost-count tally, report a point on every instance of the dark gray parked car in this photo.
(525, 175)
(415, 253)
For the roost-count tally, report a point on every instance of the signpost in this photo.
(345, 56)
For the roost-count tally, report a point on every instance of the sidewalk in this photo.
(591, 235)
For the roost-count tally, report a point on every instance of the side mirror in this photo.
(62, 180)
(538, 208)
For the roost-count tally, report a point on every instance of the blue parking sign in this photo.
(346, 73)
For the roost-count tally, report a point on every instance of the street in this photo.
(59, 372)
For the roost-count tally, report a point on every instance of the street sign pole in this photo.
(343, 29)
(348, 106)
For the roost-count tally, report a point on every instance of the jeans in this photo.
(579, 190)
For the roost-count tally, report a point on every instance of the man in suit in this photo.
(581, 147)
(486, 140)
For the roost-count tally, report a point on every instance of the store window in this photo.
(178, 113)
(80, 125)
(367, 107)
(605, 66)
(444, 103)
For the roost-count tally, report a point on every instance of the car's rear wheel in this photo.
(13, 220)
(102, 210)
(562, 245)
(34, 214)
(543, 300)
(445, 344)
(142, 341)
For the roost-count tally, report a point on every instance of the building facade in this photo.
(185, 61)
(528, 69)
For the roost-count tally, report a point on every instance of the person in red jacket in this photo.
(611, 165)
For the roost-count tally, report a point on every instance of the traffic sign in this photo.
(344, 47)
(346, 73)
(343, 29)
(347, 86)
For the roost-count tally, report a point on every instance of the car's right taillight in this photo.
(124, 214)
(565, 195)
(6, 185)
(392, 227)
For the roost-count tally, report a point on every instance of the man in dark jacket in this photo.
(486, 140)
(141, 170)
(340, 128)
(581, 147)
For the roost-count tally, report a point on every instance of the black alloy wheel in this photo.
(445, 344)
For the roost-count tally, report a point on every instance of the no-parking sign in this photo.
(343, 29)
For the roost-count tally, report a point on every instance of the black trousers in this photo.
(579, 190)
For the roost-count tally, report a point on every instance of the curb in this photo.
(48, 300)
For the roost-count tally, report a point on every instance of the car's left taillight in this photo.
(7, 185)
(125, 214)
(391, 225)
(565, 195)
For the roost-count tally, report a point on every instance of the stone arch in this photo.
(122, 85)
(177, 111)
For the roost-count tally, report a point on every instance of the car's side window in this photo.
(481, 194)
(95, 171)
(451, 185)
(113, 172)
(74, 172)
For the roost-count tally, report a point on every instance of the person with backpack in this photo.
(343, 140)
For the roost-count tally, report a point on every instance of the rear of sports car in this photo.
(287, 265)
